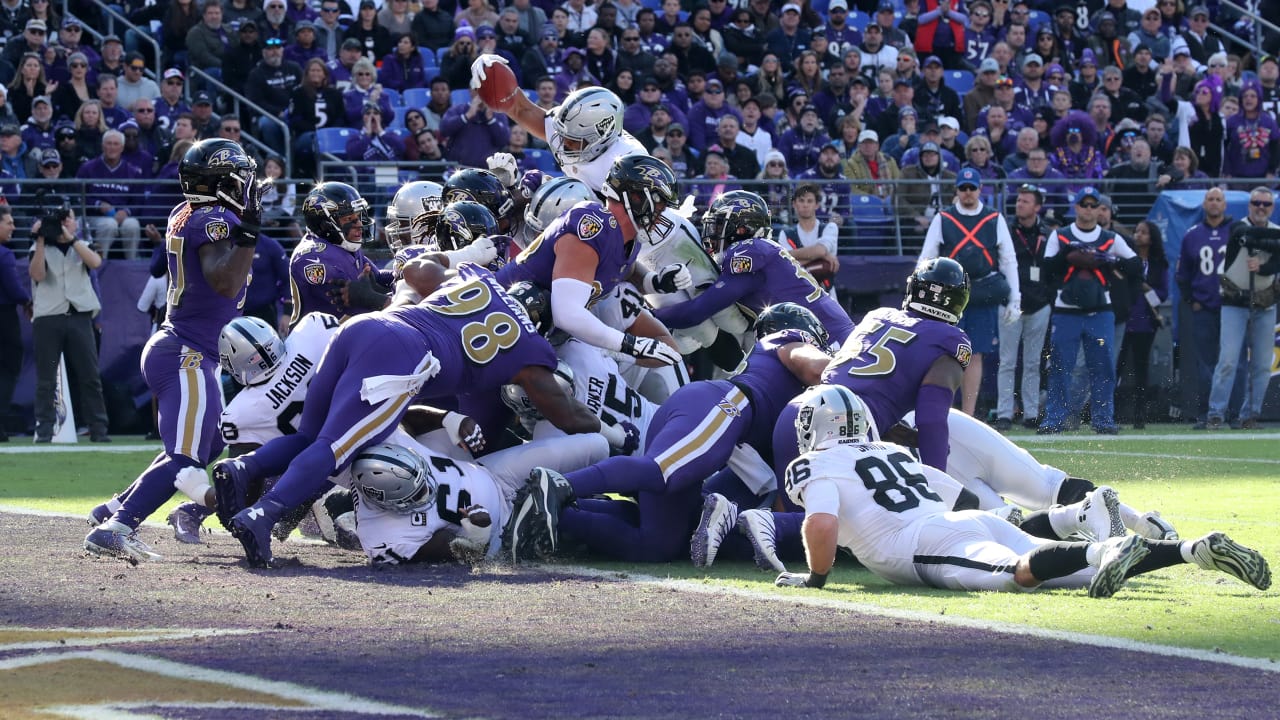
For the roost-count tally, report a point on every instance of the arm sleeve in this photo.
(933, 403)
(1008, 260)
(933, 239)
(569, 298)
(725, 292)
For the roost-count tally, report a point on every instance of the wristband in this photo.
(452, 423)
(245, 235)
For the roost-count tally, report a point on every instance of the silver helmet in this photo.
(517, 400)
(249, 350)
(412, 214)
(394, 478)
(552, 200)
(585, 125)
(831, 414)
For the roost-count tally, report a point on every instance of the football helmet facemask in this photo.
(249, 350)
(831, 415)
(394, 478)
(333, 210)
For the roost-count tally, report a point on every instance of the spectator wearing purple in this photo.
(1036, 172)
(829, 175)
(1252, 137)
(300, 11)
(636, 117)
(1075, 151)
(802, 143)
(841, 36)
(1031, 91)
(715, 179)
(705, 116)
(651, 40)
(685, 161)
(113, 113)
(404, 68)
(789, 40)
(573, 75)
(207, 42)
(674, 92)
(980, 36)
(304, 46)
(110, 192)
(134, 152)
(473, 132)
(364, 90)
(38, 133)
(349, 53)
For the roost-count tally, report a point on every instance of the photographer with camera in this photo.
(62, 326)
(1248, 287)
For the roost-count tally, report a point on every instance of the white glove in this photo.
(481, 251)
(686, 208)
(790, 579)
(668, 279)
(504, 166)
(478, 67)
(1012, 312)
(649, 349)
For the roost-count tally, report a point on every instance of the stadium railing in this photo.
(112, 15)
(238, 102)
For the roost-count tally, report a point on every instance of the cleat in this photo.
(252, 527)
(1099, 516)
(1118, 557)
(231, 487)
(1010, 513)
(186, 519)
(758, 526)
(534, 528)
(1153, 527)
(1216, 551)
(719, 515)
(115, 539)
(344, 531)
(99, 515)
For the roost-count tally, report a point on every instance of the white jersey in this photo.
(392, 538)
(883, 492)
(598, 384)
(595, 172)
(266, 411)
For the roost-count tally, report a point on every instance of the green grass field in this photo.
(1215, 483)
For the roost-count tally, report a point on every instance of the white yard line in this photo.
(1165, 456)
(20, 449)
(1208, 438)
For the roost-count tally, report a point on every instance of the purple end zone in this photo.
(530, 643)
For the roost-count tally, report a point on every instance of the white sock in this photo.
(193, 483)
(114, 504)
(1093, 553)
(1065, 519)
(1129, 516)
(1184, 548)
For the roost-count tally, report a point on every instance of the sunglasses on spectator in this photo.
(982, 15)
(1261, 203)
(144, 111)
(79, 65)
(967, 188)
(675, 132)
(35, 31)
(1087, 205)
(715, 91)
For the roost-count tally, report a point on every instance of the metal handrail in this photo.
(1226, 34)
(113, 16)
(1258, 23)
(239, 100)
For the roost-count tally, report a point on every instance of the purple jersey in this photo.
(769, 384)
(757, 273)
(197, 312)
(497, 337)
(1200, 261)
(593, 225)
(313, 265)
(887, 357)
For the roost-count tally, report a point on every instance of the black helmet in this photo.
(640, 182)
(537, 303)
(735, 215)
(938, 288)
(462, 223)
(790, 316)
(327, 210)
(481, 186)
(216, 171)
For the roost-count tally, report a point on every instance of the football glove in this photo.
(649, 349)
(790, 579)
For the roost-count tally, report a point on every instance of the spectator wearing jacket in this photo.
(473, 132)
(1030, 235)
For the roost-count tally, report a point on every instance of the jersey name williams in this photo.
(293, 376)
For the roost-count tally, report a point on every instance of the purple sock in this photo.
(274, 457)
(152, 489)
(786, 528)
(606, 527)
(621, 474)
(307, 475)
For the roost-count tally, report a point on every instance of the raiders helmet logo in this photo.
(740, 264)
(218, 230)
(589, 226)
(964, 354)
(314, 273)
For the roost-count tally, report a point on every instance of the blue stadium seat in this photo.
(440, 53)
(403, 134)
(532, 95)
(398, 122)
(393, 95)
(858, 19)
(1036, 19)
(416, 97)
(543, 160)
(428, 57)
(334, 140)
(820, 6)
(460, 97)
(959, 80)
(429, 74)
(872, 222)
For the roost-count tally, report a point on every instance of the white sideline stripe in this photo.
(129, 636)
(43, 449)
(1210, 436)
(1116, 453)
(84, 517)
(311, 698)
(702, 588)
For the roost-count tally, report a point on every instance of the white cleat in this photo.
(115, 539)
(1153, 527)
(1099, 516)
(1120, 555)
(759, 528)
(719, 515)
(1216, 551)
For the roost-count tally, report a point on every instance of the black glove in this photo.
(362, 293)
(246, 233)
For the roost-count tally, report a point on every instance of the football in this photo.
(499, 88)
(821, 269)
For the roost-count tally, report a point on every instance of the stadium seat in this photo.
(1036, 20)
(460, 97)
(393, 95)
(416, 97)
(543, 160)
(959, 80)
(428, 57)
(872, 222)
(440, 53)
(429, 74)
(858, 19)
(398, 122)
(532, 95)
(333, 140)
(402, 133)
(820, 7)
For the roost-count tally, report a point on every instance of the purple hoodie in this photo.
(1251, 149)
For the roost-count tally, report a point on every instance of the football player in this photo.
(338, 226)
(695, 433)
(754, 270)
(210, 240)
(468, 336)
(873, 499)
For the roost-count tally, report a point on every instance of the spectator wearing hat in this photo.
(170, 104)
(789, 39)
(975, 235)
(686, 162)
(903, 135)
(1126, 19)
(112, 62)
(1109, 45)
(246, 52)
(135, 84)
(1071, 41)
(876, 54)
(840, 35)
(38, 130)
(69, 42)
(487, 44)
(869, 166)
(901, 97)
(1252, 139)
(472, 132)
(1151, 33)
(930, 184)
(802, 143)
(983, 92)
(1269, 82)
(305, 45)
(574, 74)
(12, 153)
(1125, 103)
(373, 143)
(275, 22)
(329, 30)
(654, 132)
(79, 87)
(208, 42)
(1079, 260)
(363, 37)
(1086, 82)
(829, 175)
(648, 98)
(754, 133)
(1200, 42)
(270, 86)
(1031, 90)
(134, 153)
(932, 97)
(1139, 76)
(940, 30)
(34, 37)
(545, 59)
(340, 67)
(203, 120)
(704, 117)
(110, 194)
(455, 66)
